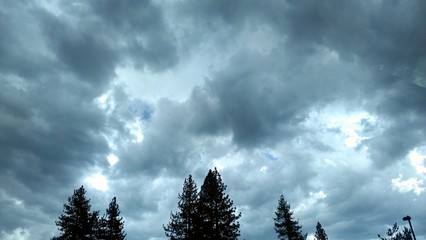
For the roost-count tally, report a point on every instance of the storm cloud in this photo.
(322, 102)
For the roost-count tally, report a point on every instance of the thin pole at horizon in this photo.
(408, 218)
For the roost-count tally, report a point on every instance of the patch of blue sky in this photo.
(270, 156)
(141, 109)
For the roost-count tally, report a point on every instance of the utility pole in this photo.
(408, 218)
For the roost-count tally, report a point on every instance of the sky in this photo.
(321, 101)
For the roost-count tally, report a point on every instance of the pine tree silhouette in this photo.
(286, 227)
(320, 233)
(217, 218)
(76, 221)
(181, 225)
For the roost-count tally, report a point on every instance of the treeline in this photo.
(209, 214)
(205, 214)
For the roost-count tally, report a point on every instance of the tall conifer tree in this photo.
(77, 222)
(217, 217)
(181, 225)
(286, 226)
(113, 222)
(320, 233)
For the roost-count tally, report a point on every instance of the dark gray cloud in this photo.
(372, 36)
(54, 65)
(321, 102)
(141, 26)
(260, 104)
(403, 107)
(46, 145)
(387, 43)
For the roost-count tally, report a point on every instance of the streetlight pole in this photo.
(408, 218)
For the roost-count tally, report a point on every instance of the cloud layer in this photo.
(321, 102)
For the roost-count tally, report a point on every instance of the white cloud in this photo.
(313, 201)
(106, 102)
(135, 129)
(412, 184)
(347, 121)
(350, 126)
(418, 161)
(310, 237)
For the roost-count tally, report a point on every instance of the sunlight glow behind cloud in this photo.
(351, 126)
(112, 159)
(98, 182)
(219, 166)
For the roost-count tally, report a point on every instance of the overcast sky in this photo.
(321, 101)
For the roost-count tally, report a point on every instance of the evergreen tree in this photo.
(181, 225)
(394, 234)
(217, 218)
(101, 227)
(320, 233)
(77, 222)
(286, 227)
(112, 226)
(94, 223)
(406, 234)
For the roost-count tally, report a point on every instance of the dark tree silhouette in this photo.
(394, 234)
(77, 222)
(181, 225)
(286, 227)
(217, 218)
(320, 233)
(113, 223)
(406, 234)
(101, 228)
